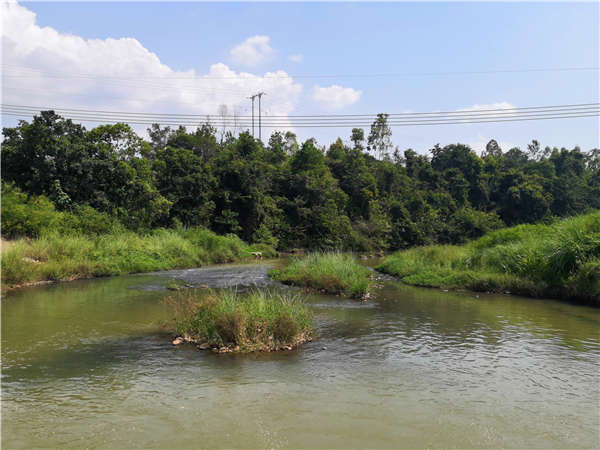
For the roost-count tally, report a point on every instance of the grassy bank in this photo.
(228, 321)
(561, 260)
(71, 256)
(333, 273)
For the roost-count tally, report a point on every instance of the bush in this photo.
(24, 215)
(33, 216)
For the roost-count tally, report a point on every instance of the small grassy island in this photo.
(227, 321)
(561, 260)
(332, 273)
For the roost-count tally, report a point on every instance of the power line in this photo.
(403, 122)
(434, 114)
(320, 120)
(281, 76)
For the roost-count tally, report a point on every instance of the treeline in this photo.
(285, 194)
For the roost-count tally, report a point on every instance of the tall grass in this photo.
(334, 273)
(258, 320)
(558, 260)
(63, 257)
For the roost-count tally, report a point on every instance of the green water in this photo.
(86, 364)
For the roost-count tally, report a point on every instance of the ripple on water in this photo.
(86, 365)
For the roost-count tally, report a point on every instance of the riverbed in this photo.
(88, 364)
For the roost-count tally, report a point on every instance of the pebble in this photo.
(323, 348)
(178, 340)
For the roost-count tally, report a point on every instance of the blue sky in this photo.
(342, 39)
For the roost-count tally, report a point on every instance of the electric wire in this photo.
(242, 124)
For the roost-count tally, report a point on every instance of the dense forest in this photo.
(361, 195)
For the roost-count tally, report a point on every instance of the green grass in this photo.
(560, 260)
(333, 273)
(65, 257)
(254, 321)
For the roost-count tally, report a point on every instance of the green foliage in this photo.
(23, 216)
(35, 215)
(254, 321)
(334, 273)
(285, 194)
(557, 260)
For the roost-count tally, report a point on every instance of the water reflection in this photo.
(85, 364)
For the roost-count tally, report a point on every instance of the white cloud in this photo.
(479, 143)
(43, 67)
(499, 105)
(252, 51)
(298, 58)
(335, 97)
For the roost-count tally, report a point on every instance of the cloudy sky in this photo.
(325, 58)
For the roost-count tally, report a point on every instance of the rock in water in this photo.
(178, 340)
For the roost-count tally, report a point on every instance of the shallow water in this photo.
(86, 364)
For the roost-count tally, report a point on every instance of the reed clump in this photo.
(227, 321)
(332, 273)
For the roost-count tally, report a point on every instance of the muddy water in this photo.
(85, 364)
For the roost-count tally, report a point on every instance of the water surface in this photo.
(87, 364)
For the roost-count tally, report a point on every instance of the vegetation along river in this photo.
(86, 364)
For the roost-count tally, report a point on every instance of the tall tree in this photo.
(380, 137)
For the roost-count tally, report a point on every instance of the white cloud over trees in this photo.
(335, 97)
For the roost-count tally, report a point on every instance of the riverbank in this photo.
(561, 260)
(331, 273)
(62, 257)
(226, 321)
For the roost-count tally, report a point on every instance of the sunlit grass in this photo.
(253, 321)
(64, 257)
(557, 260)
(333, 273)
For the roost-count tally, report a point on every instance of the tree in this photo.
(159, 137)
(358, 138)
(534, 150)
(492, 149)
(380, 137)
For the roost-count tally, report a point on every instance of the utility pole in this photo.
(252, 97)
(260, 94)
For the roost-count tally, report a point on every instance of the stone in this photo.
(30, 260)
(323, 348)
(204, 346)
(178, 341)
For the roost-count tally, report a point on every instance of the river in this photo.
(87, 364)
